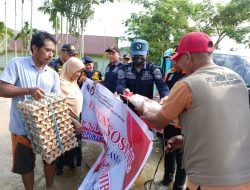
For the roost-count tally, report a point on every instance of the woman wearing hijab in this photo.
(71, 70)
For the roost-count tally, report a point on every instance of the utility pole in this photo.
(31, 27)
(6, 36)
(15, 31)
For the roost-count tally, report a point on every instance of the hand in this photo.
(79, 130)
(142, 109)
(163, 99)
(96, 82)
(174, 143)
(36, 93)
(81, 79)
(77, 125)
(127, 92)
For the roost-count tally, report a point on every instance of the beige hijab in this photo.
(69, 87)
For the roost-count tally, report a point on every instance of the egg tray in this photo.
(56, 152)
(49, 125)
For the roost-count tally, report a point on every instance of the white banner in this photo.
(126, 140)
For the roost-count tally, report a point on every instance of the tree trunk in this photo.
(67, 29)
(22, 23)
(56, 36)
(82, 42)
(31, 27)
(61, 29)
(6, 36)
(15, 32)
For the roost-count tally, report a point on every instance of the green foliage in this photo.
(77, 12)
(49, 8)
(223, 20)
(162, 26)
(24, 35)
(163, 22)
(10, 32)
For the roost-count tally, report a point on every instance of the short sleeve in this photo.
(10, 73)
(179, 100)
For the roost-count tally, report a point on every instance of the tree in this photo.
(77, 13)
(165, 21)
(10, 32)
(49, 8)
(162, 25)
(24, 36)
(223, 20)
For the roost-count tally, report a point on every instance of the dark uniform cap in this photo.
(126, 56)
(87, 59)
(69, 49)
(139, 47)
(112, 49)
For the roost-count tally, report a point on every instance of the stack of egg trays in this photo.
(49, 126)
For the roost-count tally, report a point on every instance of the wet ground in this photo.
(70, 179)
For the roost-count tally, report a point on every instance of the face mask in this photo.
(138, 61)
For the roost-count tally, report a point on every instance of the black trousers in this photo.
(71, 158)
(173, 162)
(173, 170)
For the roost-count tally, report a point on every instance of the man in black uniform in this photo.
(139, 76)
(66, 52)
(111, 71)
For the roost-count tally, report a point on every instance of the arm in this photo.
(157, 120)
(121, 80)
(8, 91)
(160, 84)
(8, 79)
(178, 101)
(77, 125)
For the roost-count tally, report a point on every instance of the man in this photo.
(21, 78)
(212, 105)
(139, 76)
(111, 71)
(89, 71)
(66, 52)
(125, 59)
(173, 160)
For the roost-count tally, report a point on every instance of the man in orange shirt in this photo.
(212, 106)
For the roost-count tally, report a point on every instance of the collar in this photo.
(32, 64)
(115, 64)
(204, 66)
(142, 68)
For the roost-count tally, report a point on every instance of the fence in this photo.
(101, 62)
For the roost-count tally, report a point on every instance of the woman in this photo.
(71, 70)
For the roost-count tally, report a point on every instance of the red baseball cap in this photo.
(194, 42)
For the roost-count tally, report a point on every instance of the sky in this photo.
(107, 21)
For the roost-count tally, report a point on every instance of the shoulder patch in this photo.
(121, 74)
(157, 74)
